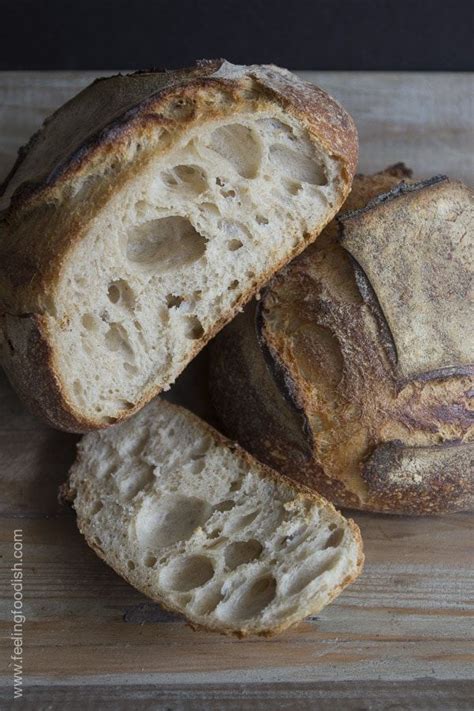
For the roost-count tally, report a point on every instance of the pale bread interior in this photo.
(196, 524)
(176, 247)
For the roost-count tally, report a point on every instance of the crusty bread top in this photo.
(102, 118)
(358, 434)
(108, 130)
(119, 256)
(194, 522)
(423, 285)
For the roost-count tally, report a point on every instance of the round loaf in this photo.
(353, 372)
(143, 215)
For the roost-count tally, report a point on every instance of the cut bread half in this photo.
(143, 215)
(198, 525)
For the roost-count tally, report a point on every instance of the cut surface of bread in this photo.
(127, 244)
(355, 377)
(195, 523)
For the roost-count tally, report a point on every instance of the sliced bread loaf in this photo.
(195, 523)
(141, 217)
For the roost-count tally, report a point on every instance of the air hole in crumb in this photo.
(302, 578)
(292, 187)
(165, 244)
(116, 339)
(120, 291)
(209, 207)
(261, 220)
(187, 573)
(236, 485)
(194, 329)
(226, 505)
(131, 565)
(188, 178)
(90, 322)
(214, 534)
(233, 285)
(196, 466)
(141, 478)
(241, 552)
(332, 526)
(150, 560)
(254, 600)
(208, 602)
(96, 507)
(239, 146)
(297, 166)
(113, 293)
(171, 519)
(247, 519)
(228, 193)
(131, 369)
(173, 301)
(234, 245)
(77, 387)
(201, 447)
(335, 538)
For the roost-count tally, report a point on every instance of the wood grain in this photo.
(399, 638)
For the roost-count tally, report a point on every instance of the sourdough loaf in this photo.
(194, 522)
(141, 217)
(353, 373)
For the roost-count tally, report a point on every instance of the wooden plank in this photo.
(423, 695)
(400, 637)
(422, 119)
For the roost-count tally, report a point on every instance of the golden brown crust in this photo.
(418, 278)
(317, 329)
(94, 144)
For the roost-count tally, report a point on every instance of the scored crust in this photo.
(430, 275)
(365, 439)
(95, 143)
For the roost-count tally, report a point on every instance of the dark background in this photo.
(301, 34)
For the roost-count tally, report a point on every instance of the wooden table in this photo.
(399, 638)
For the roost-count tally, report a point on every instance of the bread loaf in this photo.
(353, 373)
(198, 525)
(141, 217)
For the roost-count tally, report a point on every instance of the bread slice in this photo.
(195, 523)
(353, 373)
(142, 216)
